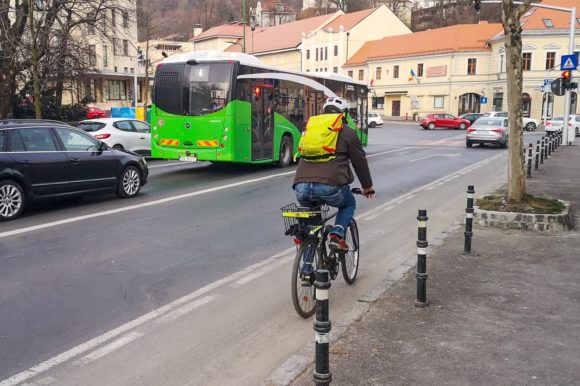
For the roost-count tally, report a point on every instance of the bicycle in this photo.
(311, 233)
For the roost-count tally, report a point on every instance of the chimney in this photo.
(197, 30)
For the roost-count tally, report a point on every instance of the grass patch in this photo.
(530, 204)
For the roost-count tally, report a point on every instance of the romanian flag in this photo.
(411, 75)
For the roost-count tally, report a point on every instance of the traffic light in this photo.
(566, 79)
(139, 54)
(477, 5)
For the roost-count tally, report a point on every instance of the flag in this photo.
(372, 82)
(411, 75)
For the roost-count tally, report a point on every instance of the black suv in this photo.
(41, 158)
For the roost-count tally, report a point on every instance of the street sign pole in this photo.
(565, 129)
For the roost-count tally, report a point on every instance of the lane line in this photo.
(113, 346)
(181, 311)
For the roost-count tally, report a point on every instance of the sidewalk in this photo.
(509, 314)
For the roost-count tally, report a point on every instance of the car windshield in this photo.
(489, 122)
(558, 118)
(209, 87)
(91, 126)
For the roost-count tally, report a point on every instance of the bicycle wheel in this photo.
(349, 260)
(303, 291)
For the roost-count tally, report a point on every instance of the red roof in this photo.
(559, 19)
(234, 30)
(455, 38)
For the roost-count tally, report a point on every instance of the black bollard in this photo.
(469, 220)
(551, 144)
(537, 162)
(542, 150)
(530, 149)
(546, 147)
(322, 327)
(422, 260)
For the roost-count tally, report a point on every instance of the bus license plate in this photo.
(188, 159)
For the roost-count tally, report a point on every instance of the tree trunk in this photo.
(8, 77)
(35, 60)
(513, 46)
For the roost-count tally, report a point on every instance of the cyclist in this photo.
(328, 182)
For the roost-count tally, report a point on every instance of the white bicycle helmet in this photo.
(335, 105)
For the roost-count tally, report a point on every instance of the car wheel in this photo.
(129, 183)
(286, 149)
(506, 143)
(578, 132)
(118, 147)
(373, 124)
(11, 200)
(462, 126)
(431, 126)
(468, 144)
(531, 126)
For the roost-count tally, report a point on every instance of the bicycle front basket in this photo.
(298, 218)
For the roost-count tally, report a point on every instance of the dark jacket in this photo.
(337, 171)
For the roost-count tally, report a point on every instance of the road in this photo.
(188, 284)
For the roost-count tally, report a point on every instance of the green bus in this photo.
(229, 107)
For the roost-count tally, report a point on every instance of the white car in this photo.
(120, 133)
(530, 124)
(556, 123)
(375, 119)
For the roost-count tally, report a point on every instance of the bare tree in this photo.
(145, 25)
(510, 18)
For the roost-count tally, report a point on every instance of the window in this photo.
(123, 125)
(92, 55)
(501, 63)
(350, 73)
(550, 60)
(497, 101)
(527, 61)
(335, 70)
(105, 56)
(141, 127)
(15, 143)
(91, 29)
(547, 105)
(125, 19)
(361, 74)
(116, 90)
(37, 139)
(548, 23)
(126, 47)
(526, 104)
(75, 141)
(317, 54)
(415, 103)
(307, 54)
(325, 53)
(378, 102)
(378, 73)
(419, 70)
(335, 50)
(2, 140)
(126, 70)
(395, 72)
(438, 102)
(471, 66)
(115, 47)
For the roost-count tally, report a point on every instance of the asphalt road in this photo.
(189, 282)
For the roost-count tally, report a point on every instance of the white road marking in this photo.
(435, 186)
(181, 311)
(264, 270)
(97, 354)
(436, 155)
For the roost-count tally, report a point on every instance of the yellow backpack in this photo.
(318, 142)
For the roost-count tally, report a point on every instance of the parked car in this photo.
(432, 121)
(120, 133)
(488, 130)
(555, 124)
(41, 158)
(471, 117)
(375, 119)
(530, 124)
(95, 112)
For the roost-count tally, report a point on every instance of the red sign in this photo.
(436, 71)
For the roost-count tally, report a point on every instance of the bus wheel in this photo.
(285, 152)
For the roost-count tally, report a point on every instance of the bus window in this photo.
(209, 87)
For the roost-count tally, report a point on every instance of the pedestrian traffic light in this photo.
(566, 79)
(477, 5)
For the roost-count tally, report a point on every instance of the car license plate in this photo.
(188, 159)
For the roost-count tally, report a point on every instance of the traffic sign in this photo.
(557, 87)
(483, 100)
(569, 62)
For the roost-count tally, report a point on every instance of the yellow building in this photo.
(461, 68)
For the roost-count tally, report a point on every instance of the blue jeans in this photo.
(315, 193)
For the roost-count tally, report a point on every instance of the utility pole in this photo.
(244, 25)
(566, 129)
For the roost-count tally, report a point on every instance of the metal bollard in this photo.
(551, 144)
(469, 220)
(322, 327)
(530, 149)
(524, 163)
(537, 162)
(422, 260)
(546, 147)
(542, 150)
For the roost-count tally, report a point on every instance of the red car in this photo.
(432, 121)
(95, 112)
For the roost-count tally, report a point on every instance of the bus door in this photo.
(262, 122)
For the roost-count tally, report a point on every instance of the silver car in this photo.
(488, 130)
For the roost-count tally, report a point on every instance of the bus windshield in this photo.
(209, 87)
